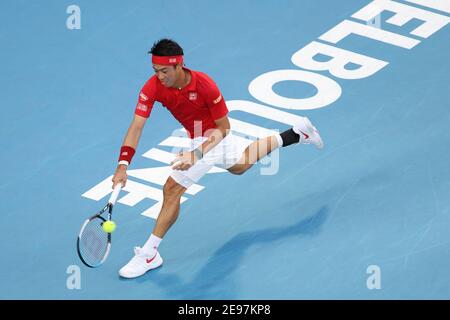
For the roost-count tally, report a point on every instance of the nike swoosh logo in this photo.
(306, 136)
(150, 260)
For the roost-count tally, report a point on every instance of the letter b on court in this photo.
(74, 279)
(374, 280)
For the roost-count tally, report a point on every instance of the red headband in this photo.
(167, 60)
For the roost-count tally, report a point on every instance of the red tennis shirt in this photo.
(199, 103)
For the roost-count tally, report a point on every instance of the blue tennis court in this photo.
(367, 217)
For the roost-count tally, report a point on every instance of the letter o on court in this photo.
(328, 90)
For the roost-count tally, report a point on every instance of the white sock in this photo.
(279, 140)
(152, 244)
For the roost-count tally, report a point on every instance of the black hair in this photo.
(166, 47)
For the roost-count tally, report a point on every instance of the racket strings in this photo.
(94, 242)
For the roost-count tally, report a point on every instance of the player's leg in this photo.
(302, 132)
(148, 257)
(253, 153)
(172, 193)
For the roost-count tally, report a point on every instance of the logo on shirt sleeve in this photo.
(142, 107)
(143, 97)
(218, 99)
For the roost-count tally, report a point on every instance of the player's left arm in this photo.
(219, 113)
(214, 136)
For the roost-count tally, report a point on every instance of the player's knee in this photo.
(172, 189)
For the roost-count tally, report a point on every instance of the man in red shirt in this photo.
(196, 102)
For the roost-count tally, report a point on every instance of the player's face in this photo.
(166, 74)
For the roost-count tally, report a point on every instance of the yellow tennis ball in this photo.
(109, 226)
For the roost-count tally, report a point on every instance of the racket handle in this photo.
(115, 194)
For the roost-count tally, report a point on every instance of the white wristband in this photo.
(125, 162)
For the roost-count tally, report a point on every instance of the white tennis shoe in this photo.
(140, 264)
(308, 133)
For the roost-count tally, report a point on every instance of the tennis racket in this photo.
(94, 244)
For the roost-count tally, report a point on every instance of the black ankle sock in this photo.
(289, 137)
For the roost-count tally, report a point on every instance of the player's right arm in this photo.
(147, 97)
(131, 140)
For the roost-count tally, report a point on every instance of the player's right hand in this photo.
(120, 176)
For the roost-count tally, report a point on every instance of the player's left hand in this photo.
(183, 161)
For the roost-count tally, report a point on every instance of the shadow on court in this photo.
(216, 279)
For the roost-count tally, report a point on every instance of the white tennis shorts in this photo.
(225, 155)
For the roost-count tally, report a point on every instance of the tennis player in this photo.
(195, 101)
